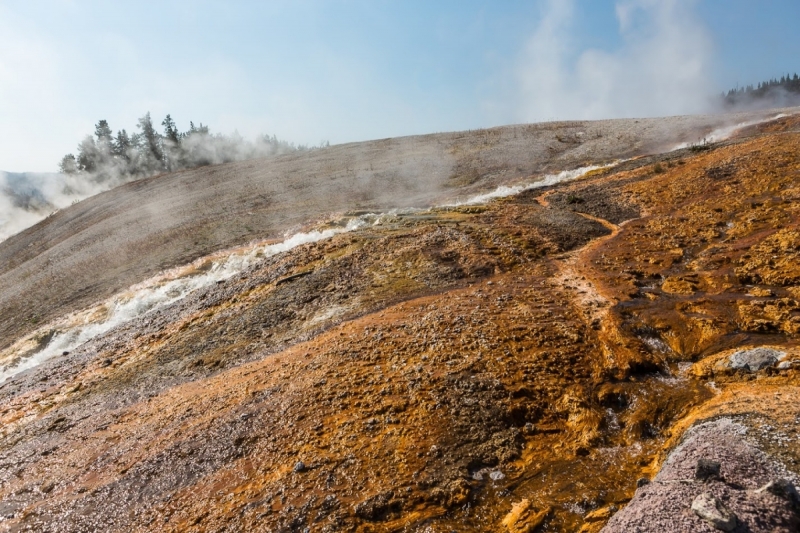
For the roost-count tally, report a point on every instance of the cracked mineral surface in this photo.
(554, 360)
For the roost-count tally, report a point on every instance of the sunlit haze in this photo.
(315, 71)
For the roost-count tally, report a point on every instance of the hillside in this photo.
(517, 364)
(106, 243)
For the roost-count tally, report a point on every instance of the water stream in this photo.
(69, 332)
(725, 132)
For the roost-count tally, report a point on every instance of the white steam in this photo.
(725, 132)
(662, 67)
(70, 332)
(550, 179)
(26, 198)
(29, 197)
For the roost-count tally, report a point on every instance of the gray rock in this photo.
(714, 512)
(782, 488)
(754, 359)
(783, 365)
(299, 466)
(706, 469)
(641, 482)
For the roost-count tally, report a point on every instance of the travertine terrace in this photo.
(516, 366)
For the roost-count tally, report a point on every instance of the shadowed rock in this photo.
(782, 488)
(707, 469)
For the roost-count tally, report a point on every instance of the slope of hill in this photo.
(108, 242)
(516, 365)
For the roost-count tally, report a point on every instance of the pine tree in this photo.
(152, 154)
(175, 152)
(68, 164)
(122, 145)
(103, 156)
(103, 133)
(89, 157)
(203, 130)
(170, 131)
(105, 150)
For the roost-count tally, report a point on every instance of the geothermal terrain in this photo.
(554, 327)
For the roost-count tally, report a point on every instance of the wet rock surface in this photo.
(755, 359)
(515, 366)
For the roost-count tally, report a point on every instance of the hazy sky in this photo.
(342, 71)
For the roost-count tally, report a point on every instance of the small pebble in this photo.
(496, 475)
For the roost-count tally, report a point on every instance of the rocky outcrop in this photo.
(754, 359)
(751, 492)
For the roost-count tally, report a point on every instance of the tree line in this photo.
(146, 152)
(787, 88)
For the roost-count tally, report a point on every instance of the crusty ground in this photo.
(95, 249)
(511, 367)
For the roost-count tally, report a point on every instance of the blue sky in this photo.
(343, 71)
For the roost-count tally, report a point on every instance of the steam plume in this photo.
(27, 198)
(105, 161)
(662, 67)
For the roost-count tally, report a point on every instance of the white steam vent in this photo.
(546, 181)
(69, 332)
